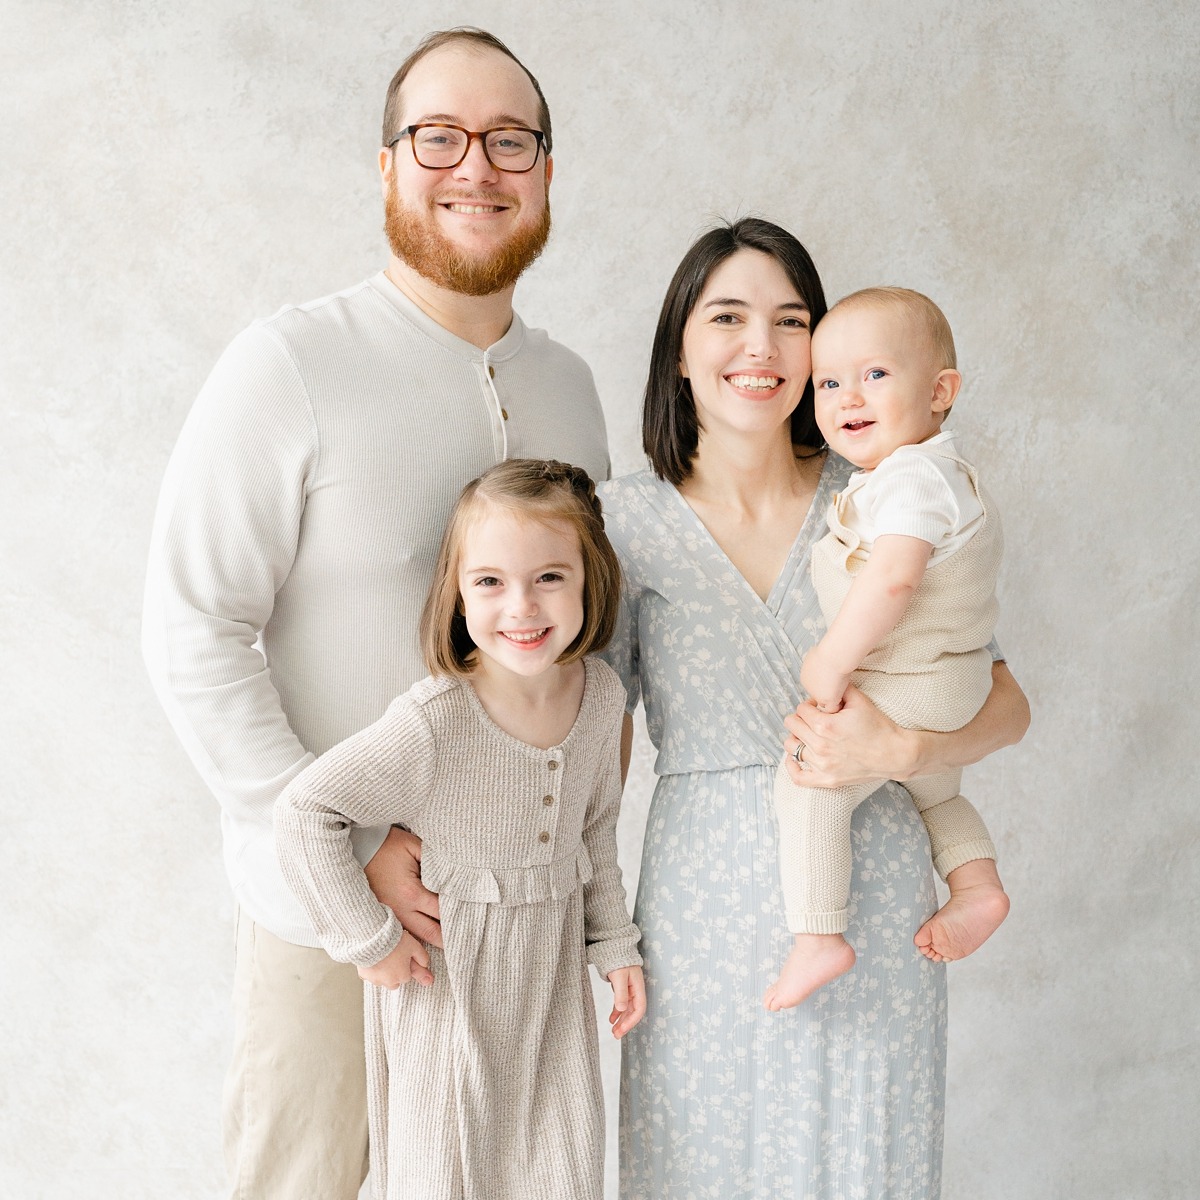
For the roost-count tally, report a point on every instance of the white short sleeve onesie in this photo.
(915, 491)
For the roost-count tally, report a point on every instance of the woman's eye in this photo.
(725, 319)
(794, 323)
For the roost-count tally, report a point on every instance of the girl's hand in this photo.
(856, 745)
(409, 960)
(629, 999)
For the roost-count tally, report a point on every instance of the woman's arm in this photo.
(626, 746)
(860, 745)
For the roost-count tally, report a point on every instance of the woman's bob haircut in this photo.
(538, 490)
(670, 427)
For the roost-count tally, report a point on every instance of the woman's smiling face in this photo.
(746, 346)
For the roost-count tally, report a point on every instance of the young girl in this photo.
(906, 579)
(506, 762)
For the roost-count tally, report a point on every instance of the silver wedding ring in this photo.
(798, 755)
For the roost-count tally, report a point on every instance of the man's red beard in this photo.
(416, 240)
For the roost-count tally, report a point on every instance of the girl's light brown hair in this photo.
(539, 490)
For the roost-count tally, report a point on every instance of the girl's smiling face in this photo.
(746, 347)
(521, 583)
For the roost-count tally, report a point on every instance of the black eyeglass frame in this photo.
(410, 131)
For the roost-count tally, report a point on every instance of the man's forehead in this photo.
(459, 76)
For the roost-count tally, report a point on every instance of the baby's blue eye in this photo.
(828, 384)
(878, 373)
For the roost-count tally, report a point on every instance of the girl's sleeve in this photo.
(611, 937)
(380, 776)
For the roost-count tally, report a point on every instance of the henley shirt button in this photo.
(492, 372)
(543, 837)
(547, 800)
(504, 413)
(552, 765)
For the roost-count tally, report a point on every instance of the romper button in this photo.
(547, 800)
(543, 837)
(504, 413)
(492, 372)
(552, 765)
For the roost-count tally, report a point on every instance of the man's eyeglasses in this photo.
(440, 146)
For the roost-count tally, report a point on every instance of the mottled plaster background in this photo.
(171, 171)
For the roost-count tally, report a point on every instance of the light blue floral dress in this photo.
(842, 1097)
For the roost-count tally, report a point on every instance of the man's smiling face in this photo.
(472, 228)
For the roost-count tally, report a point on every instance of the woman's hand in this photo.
(858, 744)
(409, 960)
(629, 999)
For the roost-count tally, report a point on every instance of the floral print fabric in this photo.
(842, 1097)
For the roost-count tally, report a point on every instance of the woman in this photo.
(841, 1096)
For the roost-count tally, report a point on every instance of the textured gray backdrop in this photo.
(172, 170)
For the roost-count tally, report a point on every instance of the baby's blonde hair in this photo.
(918, 308)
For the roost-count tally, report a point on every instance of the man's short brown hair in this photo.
(469, 35)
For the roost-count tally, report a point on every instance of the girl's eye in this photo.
(877, 373)
(487, 581)
(550, 577)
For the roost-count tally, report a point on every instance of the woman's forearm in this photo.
(1002, 721)
(626, 746)
(860, 745)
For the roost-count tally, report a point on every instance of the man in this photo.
(296, 532)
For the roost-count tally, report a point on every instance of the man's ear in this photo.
(549, 171)
(386, 162)
(945, 389)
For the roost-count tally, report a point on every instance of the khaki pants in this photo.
(295, 1104)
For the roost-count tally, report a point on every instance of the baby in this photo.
(906, 580)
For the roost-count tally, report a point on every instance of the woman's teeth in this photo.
(760, 382)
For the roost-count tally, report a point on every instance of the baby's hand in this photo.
(629, 999)
(409, 960)
(823, 681)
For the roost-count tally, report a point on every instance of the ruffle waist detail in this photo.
(510, 887)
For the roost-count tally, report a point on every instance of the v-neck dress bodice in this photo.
(841, 1096)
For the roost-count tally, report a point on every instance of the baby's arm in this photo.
(874, 605)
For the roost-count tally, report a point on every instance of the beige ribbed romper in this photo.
(485, 1086)
(932, 672)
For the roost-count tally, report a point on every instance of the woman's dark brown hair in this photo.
(670, 428)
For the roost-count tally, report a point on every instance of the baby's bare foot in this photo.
(815, 960)
(976, 909)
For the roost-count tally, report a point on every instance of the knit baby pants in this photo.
(814, 823)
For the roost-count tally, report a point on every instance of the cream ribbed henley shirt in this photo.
(297, 528)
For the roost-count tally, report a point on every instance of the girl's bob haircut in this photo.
(539, 490)
(670, 427)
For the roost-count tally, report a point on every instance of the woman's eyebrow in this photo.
(734, 302)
